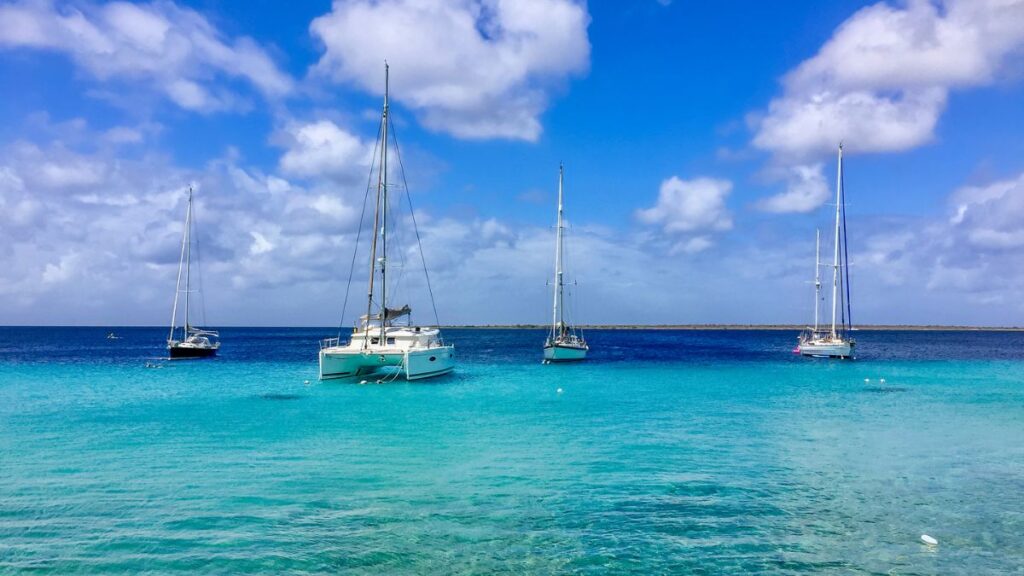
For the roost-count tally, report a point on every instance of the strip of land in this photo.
(879, 327)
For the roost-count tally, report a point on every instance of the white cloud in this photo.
(690, 206)
(61, 271)
(693, 245)
(806, 190)
(121, 226)
(323, 149)
(175, 50)
(992, 216)
(882, 82)
(76, 172)
(471, 68)
(802, 127)
(260, 244)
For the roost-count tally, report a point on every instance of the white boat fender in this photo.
(929, 540)
(362, 381)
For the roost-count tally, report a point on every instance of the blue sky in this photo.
(698, 140)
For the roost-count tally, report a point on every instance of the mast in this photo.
(557, 313)
(181, 262)
(384, 214)
(817, 276)
(381, 180)
(835, 261)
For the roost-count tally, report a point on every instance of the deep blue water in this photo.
(715, 452)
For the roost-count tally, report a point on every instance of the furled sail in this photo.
(389, 314)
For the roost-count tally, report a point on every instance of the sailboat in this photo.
(381, 343)
(833, 341)
(564, 343)
(194, 342)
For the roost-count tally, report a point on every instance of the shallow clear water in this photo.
(700, 452)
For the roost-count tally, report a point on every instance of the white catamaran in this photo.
(194, 342)
(379, 344)
(833, 341)
(564, 343)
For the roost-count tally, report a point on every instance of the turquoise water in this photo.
(683, 452)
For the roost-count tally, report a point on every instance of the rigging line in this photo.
(199, 267)
(846, 256)
(359, 234)
(177, 286)
(415, 227)
(398, 243)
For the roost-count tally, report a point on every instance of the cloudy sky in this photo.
(698, 139)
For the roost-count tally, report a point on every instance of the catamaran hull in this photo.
(564, 354)
(191, 352)
(413, 365)
(827, 350)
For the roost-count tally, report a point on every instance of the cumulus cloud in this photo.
(806, 190)
(175, 50)
(324, 149)
(992, 216)
(471, 68)
(120, 226)
(958, 266)
(686, 206)
(882, 81)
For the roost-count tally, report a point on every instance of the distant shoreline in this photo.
(695, 327)
(765, 327)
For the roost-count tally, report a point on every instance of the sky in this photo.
(698, 140)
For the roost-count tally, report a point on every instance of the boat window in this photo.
(374, 340)
(432, 358)
(391, 340)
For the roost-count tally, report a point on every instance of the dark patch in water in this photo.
(273, 396)
(884, 389)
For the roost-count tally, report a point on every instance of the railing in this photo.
(330, 343)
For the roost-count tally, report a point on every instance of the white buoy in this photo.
(882, 380)
(559, 390)
(929, 540)
(866, 380)
(306, 382)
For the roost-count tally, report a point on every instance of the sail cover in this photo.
(390, 314)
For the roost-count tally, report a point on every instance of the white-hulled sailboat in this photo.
(833, 341)
(194, 342)
(564, 343)
(379, 344)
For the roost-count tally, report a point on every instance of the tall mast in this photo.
(381, 182)
(188, 256)
(817, 276)
(384, 214)
(557, 312)
(835, 261)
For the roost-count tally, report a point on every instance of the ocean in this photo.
(705, 452)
